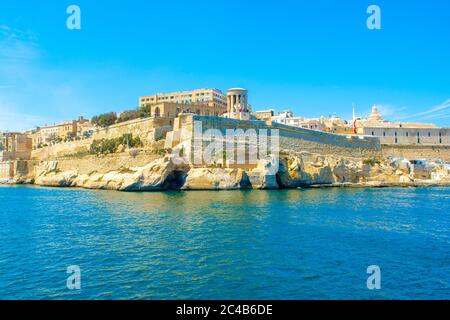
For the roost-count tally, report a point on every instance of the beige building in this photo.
(15, 146)
(402, 133)
(214, 99)
(285, 117)
(63, 131)
(335, 125)
(265, 115)
(171, 109)
(58, 131)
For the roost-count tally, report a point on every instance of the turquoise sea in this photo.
(281, 244)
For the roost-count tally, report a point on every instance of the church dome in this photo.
(374, 116)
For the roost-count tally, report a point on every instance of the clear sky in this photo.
(313, 57)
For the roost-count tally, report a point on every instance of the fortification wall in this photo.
(417, 152)
(290, 138)
(102, 164)
(6, 169)
(61, 149)
(148, 130)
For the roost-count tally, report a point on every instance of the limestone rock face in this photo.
(46, 168)
(216, 179)
(264, 175)
(160, 174)
(303, 170)
(57, 179)
(48, 174)
(309, 169)
(291, 171)
(346, 170)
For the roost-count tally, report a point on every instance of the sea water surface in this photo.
(281, 244)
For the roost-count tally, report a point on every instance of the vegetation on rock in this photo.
(105, 146)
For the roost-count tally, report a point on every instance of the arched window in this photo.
(157, 112)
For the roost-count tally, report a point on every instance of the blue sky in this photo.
(313, 57)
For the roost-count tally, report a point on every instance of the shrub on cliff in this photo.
(105, 119)
(105, 146)
(371, 161)
(132, 114)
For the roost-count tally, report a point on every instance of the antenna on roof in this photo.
(354, 116)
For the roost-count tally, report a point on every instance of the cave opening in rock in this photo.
(175, 180)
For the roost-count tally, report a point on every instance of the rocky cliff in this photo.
(291, 171)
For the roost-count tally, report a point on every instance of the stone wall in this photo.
(148, 130)
(290, 138)
(417, 152)
(61, 149)
(6, 169)
(102, 164)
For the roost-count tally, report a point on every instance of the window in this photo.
(429, 134)
(384, 133)
(373, 133)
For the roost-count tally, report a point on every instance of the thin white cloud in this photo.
(433, 113)
(17, 44)
(11, 120)
(391, 112)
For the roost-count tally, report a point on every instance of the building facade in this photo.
(15, 146)
(265, 115)
(408, 134)
(212, 98)
(68, 130)
(402, 133)
(172, 110)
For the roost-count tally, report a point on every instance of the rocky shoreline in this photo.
(295, 170)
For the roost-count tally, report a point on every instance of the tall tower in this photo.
(237, 104)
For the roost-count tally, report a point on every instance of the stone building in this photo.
(265, 115)
(213, 100)
(285, 117)
(68, 130)
(402, 133)
(15, 149)
(171, 109)
(15, 146)
(332, 124)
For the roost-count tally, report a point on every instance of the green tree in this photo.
(105, 119)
